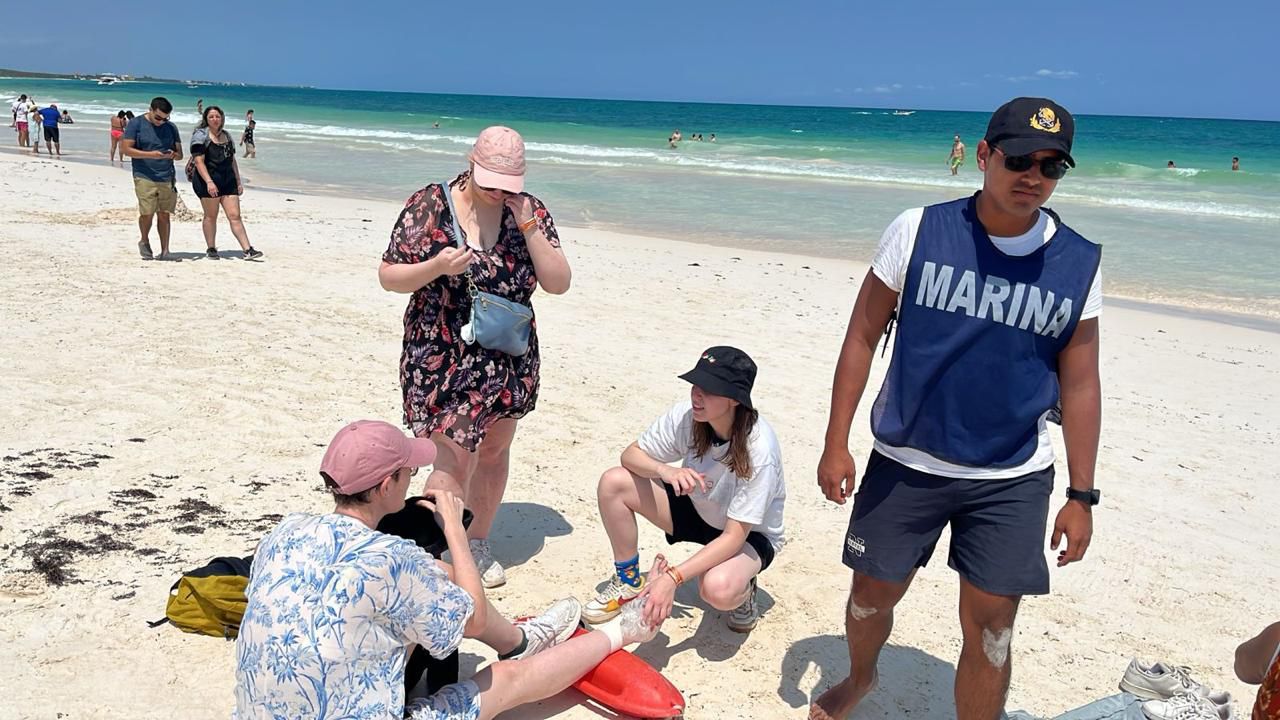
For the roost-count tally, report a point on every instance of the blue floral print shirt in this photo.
(332, 605)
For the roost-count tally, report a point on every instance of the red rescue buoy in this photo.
(627, 684)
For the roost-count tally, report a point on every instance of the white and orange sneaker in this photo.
(609, 601)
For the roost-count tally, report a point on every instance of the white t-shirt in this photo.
(756, 500)
(890, 265)
(20, 107)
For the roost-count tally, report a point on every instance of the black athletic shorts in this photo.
(51, 133)
(997, 526)
(688, 526)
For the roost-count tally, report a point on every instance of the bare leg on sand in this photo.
(868, 620)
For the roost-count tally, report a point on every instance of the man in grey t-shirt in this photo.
(153, 143)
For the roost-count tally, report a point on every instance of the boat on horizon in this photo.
(904, 112)
(108, 79)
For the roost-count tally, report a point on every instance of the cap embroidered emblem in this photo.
(1045, 119)
(708, 358)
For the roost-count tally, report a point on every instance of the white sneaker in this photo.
(609, 601)
(1190, 706)
(744, 617)
(1160, 681)
(491, 573)
(551, 628)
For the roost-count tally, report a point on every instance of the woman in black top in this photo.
(215, 177)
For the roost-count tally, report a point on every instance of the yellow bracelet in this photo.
(527, 225)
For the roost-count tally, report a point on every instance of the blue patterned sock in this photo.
(629, 571)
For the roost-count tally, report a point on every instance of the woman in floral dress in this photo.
(464, 397)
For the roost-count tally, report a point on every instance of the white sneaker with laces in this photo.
(492, 574)
(551, 628)
(1190, 706)
(745, 616)
(1159, 681)
(608, 602)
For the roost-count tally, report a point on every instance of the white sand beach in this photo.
(163, 413)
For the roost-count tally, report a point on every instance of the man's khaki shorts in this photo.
(155, 196)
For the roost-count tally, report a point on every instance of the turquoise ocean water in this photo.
(813, 180)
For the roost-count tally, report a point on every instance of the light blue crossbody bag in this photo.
(496, 322)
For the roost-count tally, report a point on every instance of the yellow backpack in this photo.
(209, 600)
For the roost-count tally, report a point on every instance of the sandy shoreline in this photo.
(165, 413)
(1224, 311)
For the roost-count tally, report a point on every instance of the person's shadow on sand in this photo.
(712, 640)
(913, 683)
(522, 529)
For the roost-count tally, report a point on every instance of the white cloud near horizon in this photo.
(881, 89)
(1057, 74)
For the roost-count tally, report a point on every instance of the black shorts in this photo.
(688, 526)
(226, 182)
(51, 133)
(997, 526)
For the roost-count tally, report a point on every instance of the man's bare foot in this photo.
(840, 699)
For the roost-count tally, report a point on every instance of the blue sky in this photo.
(1145, 57)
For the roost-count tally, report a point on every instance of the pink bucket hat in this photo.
(499, 159)
(366, 452)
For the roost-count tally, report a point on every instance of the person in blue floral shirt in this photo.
(333, 606)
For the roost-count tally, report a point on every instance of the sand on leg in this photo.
(868, 621)
(985, 666)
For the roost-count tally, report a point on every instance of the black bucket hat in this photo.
(724, 371)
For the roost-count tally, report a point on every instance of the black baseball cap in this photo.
(1026, 124)
(724, 371)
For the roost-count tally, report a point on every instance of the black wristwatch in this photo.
(1088, 497)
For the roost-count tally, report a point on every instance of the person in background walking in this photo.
(52, 140)
(153, 143)
(118, 123)
(216, 181)
(957, 155)
(246, 140)
(19, 110)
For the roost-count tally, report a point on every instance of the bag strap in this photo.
(472, 290)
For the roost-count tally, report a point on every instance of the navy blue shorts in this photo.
(997, 526)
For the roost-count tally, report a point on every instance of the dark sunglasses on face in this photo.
(493, 190)
(1053, 168)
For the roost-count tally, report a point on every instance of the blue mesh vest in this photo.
(975, 364)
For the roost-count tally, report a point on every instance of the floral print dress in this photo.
(451, 387)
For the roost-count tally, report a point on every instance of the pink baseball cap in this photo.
(499, 159)
(366, 452)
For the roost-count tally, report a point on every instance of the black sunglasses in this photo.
(1053, 168)
(497, 190)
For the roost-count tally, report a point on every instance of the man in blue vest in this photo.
(997, 305)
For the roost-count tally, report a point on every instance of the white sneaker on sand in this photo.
(744, 617)
(1190, 706)
(551, 628)
(1159, 681)
(492, 574)
(609, 601)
